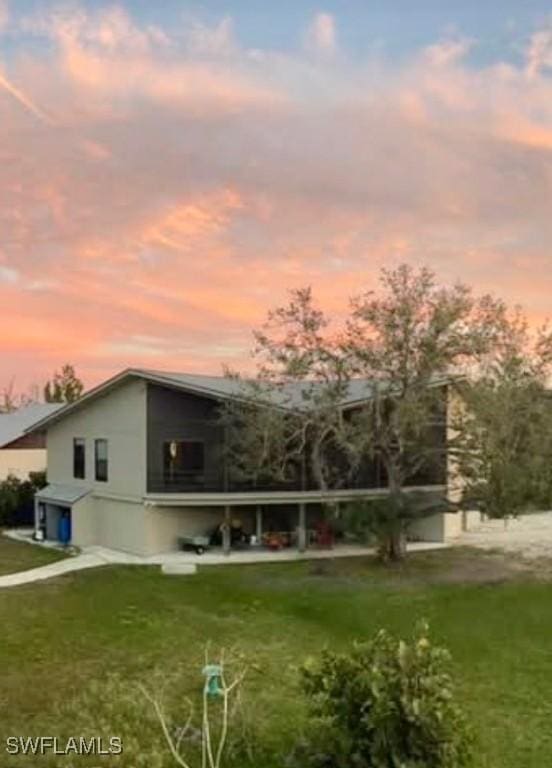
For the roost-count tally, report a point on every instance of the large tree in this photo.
(291, 409)
(504, 431)
(11, 400)
(402, 351)
(413, 341)
(65, 387)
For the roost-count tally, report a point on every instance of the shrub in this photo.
(17, 497)
(386, 704)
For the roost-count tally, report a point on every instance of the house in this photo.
(137, 463)
(22, 453)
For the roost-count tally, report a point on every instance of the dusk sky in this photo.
(168, 170)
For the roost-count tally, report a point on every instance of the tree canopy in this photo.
(65, 386)
(404, 349)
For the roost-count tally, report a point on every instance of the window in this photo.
(79, 453)
(183, 461)
(101, 460)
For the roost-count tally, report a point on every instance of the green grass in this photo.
(20, 556)
(70, 647)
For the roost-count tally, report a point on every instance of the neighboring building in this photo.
(137, 463)
(22, 453)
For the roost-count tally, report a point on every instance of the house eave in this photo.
(255, 498)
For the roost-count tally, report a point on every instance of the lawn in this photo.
(73, 649)
(20, 556)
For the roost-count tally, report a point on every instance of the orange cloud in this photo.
(22, 99)
(161, 189)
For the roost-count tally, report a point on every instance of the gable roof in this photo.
(289, 395)
(14, 425)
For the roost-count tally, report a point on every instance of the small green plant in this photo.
(216, 719)
(385, 704)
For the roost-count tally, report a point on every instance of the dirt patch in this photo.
(462, 566)
(473, 566)
(529, 536)
(457, 565)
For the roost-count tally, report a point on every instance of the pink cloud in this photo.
(181, 184)
(321, 35)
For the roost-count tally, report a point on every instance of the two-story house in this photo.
(137, 463)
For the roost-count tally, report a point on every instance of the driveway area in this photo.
(529, 535)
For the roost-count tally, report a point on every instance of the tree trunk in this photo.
(392, 546)
(316, 465)
(397, 544)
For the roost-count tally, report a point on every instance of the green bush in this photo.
(386, 704)
(16, 495)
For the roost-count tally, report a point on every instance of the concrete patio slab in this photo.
(179, 569)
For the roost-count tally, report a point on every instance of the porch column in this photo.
(302, 528)
(226, 540)
(36, 516)
(259, 524)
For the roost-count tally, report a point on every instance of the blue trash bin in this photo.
(64, 528)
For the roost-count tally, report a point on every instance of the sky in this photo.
(169, 171)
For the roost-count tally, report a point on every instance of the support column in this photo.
(259, 524)
(302, 528)
(36, 517)
(226, 540)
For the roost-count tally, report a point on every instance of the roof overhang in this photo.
(255, 498)
(64, 495)
(169, 382)
(127, 375)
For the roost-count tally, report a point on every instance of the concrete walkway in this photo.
(180, 562)
(77, 563)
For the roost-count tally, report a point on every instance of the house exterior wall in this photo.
(21, 461)
(164, 525)
(121, 525)
(84, 522)
(112, 523)
(440, 527)
(120, 418)
(430, 528)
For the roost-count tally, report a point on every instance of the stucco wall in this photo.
(132, 527)
(121, 525)
(120, 418)
(441, 527)
(428, 529)
(84, 522)
(165, 524)
(20, 462)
